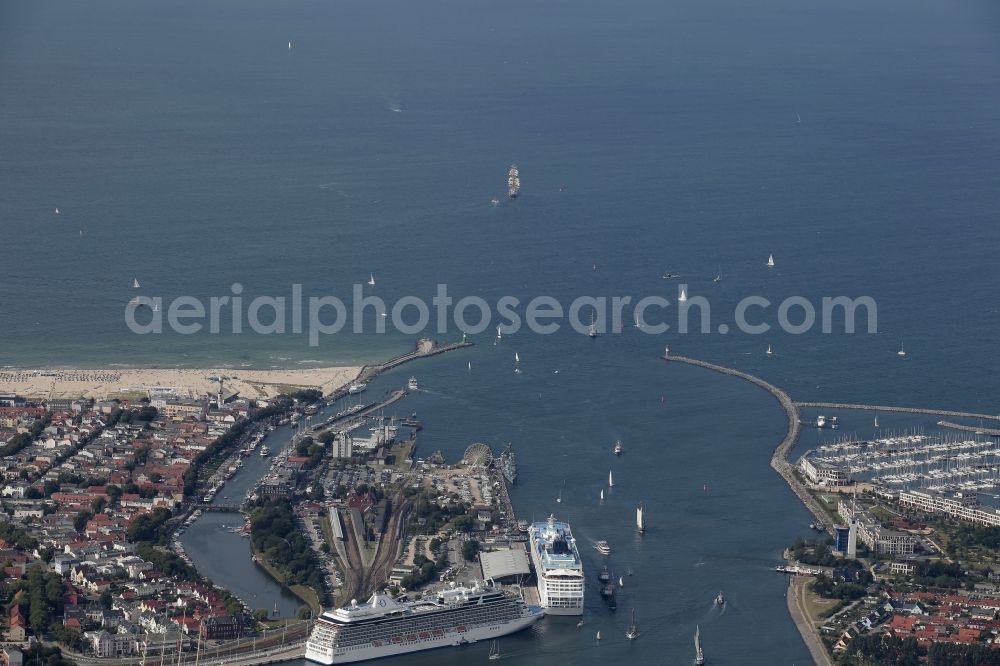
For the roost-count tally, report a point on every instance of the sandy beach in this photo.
(109, 383)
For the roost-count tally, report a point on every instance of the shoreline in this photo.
(109, 382)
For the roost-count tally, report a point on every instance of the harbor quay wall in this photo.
(779, 458)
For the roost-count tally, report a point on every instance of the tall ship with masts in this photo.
(384, 626)
(513, 182)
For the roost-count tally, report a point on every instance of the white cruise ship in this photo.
(382, 626)
(558, 567)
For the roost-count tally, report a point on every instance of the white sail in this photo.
(602, 494)
(683, 297)
(611, 480)
(638, 519)
(517, 359)
(513, 182)
(770, 261)
(371, 279)
(621, 581)
(289, 46)
(769, 352)
(598, 635)
(57, 211)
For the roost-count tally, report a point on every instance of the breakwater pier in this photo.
(425, 348)
(779, 458)
(900, 410)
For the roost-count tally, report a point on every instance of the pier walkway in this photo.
(425, 348)
(903, 410)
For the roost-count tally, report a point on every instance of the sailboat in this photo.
(602, 494)
(289, 46)
(683, 297)
(718, 277)
(559, 499)
(57, 210)
(633, 630)
(598, 635)
(156, 306)
(135, 283)
(699, 656)
(637, 325)
(640, 525)
(513, 182)
(902, 352)
(517, 359)
(621, 581)
(470, 366)
(876, 418)
(770, 261)
(371, 280)
(498, 332)
(495, 650)
(611, 480)
(769, 352)
(592, 331)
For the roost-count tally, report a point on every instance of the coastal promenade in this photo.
(797, 588)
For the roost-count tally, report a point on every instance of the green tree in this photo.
(470, 549)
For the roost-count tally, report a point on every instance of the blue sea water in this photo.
(857, 142)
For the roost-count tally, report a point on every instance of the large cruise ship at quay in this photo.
(382, 626)
(558, 567)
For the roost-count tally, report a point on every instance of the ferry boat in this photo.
(356, 388)
(412, 384)
(508, 465)
(618, 448)
(383, 626)
(513, 182)
(265, 451)
(603, 547)
(558, 567)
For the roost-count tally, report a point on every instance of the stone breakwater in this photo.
(779, 458)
